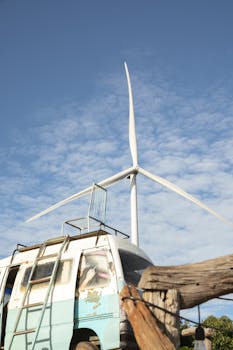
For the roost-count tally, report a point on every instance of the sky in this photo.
(64, 118)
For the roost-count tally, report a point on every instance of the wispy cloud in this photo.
(185, 139)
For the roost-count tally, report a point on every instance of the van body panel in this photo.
(101, 313)
(56, 323)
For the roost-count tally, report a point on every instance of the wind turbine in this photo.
(132, 172)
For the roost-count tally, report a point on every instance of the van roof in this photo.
(122, 243)
(60, 239)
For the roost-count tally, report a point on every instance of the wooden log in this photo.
(146, 330)
(196, 283)
(168, 323)
(186, 332)
(209, 332)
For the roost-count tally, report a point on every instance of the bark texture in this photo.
(146, 329)
(169, 324)
(196, 283)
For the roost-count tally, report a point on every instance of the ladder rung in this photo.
(55, 240)
(47, 256)
(27, 306)
(40, 280)
(26, 331)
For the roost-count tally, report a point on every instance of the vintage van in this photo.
(64, 293)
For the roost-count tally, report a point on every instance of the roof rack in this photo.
(90, 224)
(86, 227)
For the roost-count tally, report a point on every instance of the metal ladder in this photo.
(31, 282)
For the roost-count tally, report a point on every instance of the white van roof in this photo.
(120, 242)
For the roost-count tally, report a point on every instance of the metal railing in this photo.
(89, 224)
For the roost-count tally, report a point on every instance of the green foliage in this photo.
(222, 340)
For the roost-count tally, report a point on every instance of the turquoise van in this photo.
(63, 294)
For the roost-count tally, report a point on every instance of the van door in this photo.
(7, 280)
(97, 304)
(3, 276)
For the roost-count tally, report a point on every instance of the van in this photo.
(64, 293)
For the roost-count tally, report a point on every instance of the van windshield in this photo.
(133, 266)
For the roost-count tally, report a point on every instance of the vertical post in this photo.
(169, 324)
(147, 331)
(134, 209)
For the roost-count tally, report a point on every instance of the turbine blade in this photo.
(182, 193)
(132, 129)
(105, 183)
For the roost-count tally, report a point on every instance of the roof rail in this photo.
(89, 224)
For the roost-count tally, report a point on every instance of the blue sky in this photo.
(64, 117)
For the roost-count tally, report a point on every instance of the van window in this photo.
(46, 269)
(94, 270)
(133, 266)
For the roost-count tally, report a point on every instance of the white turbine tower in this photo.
(134, 154)
(132, 173)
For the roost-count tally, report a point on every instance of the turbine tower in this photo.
(134, 154)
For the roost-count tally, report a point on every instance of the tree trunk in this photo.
(146, 330)
(196, 283)
(168, 323)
